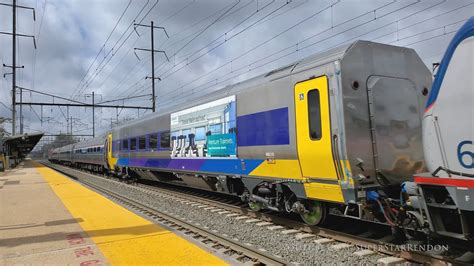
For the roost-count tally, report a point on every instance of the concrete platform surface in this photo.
(46, 218)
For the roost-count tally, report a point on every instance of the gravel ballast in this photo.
(299, 251)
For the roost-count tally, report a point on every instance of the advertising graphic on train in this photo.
(206, 130)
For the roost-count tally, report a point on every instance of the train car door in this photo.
(111, 161)
(313, 129)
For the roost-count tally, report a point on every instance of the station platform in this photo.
(47, 218)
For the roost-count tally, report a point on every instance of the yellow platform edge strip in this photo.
(122, 236)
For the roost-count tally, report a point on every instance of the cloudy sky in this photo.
(86, 46)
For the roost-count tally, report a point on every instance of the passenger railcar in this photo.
(88, 154)
(322, 130)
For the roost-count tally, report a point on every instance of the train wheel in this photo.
(315, 214)
(255, 206)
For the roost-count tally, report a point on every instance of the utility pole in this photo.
(21, 111)
(93, 110)
(14, 66)
(153, 51)
(93, 114)
(68, 119)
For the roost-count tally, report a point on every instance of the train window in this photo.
(314, 115)
(153, 141)
(133, 144)
(165, 139)
(142, 143)
(125, 145)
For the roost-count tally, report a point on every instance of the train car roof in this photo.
(97, 141)
(311, 61)
(318, 59)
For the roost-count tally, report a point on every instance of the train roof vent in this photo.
(279, 70)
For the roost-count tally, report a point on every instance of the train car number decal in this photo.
(464, 155)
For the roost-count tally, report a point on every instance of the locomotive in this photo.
(339, 131)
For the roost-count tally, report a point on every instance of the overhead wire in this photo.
(232, 36)
(102, 65)
(212, 81)
(190, 27)
(79, 89)
(103, 46)
(207, 27)
(260, 44)
(137, 39)
(226, 39)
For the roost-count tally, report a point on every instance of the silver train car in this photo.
(329, 130)
(87, 154)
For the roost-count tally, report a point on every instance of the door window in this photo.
(314, 115)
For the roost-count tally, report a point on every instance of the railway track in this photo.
(228, 247)
(223, 203)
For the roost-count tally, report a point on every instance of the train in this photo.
(348, 132)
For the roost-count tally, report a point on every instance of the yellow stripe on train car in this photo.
(325, 192)
(278, 168)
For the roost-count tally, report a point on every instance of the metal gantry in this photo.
(74, 103)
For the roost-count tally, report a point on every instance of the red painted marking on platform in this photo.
(75, 239)
(453, 182)
(91, 263)
(81, 252)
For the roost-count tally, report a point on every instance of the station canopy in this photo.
(18, 146)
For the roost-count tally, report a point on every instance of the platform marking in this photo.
(122, 236)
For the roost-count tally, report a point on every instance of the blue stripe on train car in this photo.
(263, 128)
(226, 166)
(466, 31)
(230, 166)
